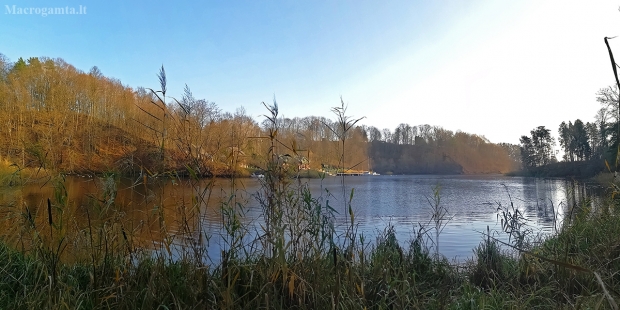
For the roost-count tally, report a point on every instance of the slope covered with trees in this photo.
(61, 118)
(434, 150)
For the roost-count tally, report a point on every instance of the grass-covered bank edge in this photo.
(361, 274)
(372, 275)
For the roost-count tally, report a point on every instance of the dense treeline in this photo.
(537, 149)
(438, 150)
(581, 142)
(58, 117)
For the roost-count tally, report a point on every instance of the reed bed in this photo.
(301, 267)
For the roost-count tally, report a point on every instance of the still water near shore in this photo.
(403, 202)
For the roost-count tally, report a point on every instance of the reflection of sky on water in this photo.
(378, 201)
(472, 202)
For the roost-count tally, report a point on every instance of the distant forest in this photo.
(58, 117)
(589, 148)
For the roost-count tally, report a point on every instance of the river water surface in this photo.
(403, 202)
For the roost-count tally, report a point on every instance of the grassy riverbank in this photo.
(296, 261)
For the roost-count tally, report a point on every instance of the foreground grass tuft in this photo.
(379, 276)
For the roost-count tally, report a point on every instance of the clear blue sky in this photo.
(494, 68)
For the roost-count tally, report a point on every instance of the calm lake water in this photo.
(378, 201)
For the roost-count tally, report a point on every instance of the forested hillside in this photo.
(446, 153)
(61, 118)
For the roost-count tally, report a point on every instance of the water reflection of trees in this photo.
(377, 202)
(552, 200)
(142, 213)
